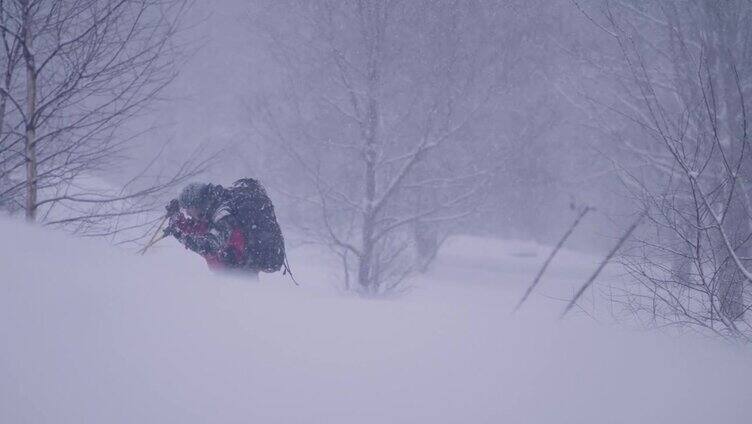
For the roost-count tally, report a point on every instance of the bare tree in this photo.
(680, 116)
(374, 108)
(88, 67)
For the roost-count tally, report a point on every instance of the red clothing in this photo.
(230, 253)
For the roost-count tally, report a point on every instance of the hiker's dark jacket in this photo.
(239, 231)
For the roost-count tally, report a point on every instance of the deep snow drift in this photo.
(90, 334)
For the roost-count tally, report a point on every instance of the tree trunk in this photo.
(730, 279)
(31, 131)
(366, 278)
(725, 32)
(365, 270)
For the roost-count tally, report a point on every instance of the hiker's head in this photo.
(195, 200)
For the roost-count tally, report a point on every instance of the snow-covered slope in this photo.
(89, 334)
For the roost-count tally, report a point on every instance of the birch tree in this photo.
(75, 72)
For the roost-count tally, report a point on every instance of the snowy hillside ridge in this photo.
(92, 334)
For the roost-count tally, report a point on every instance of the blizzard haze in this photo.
(523, 211)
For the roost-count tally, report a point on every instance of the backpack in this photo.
(251, 206)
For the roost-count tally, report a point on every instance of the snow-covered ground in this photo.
(90, 334)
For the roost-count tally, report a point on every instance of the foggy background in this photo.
(536, 130)
(383, 129)
(481, 201)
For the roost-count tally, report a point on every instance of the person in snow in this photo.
(232, 228)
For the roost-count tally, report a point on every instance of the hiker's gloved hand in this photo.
(173, 207)
(169, 231)
(198, 244)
